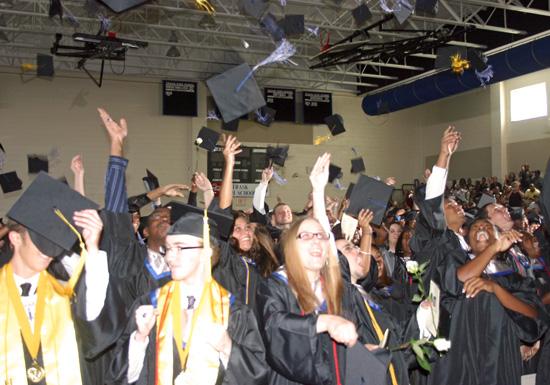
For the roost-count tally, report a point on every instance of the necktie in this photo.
(25, 289)
(190, 302)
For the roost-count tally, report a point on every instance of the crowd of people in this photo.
(453, 287)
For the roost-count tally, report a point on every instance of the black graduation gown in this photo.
(434, 243)
(399, 332)
(246, 365)
(237, 275)
(296, 353)
(482, 327)
(127, 259)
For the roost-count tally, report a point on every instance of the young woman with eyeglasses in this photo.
(305, 312)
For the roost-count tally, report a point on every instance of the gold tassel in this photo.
(205, 6)
(321, 139)
(458, 65)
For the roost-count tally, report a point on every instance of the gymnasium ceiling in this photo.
(205, 50)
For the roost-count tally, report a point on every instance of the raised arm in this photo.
(231, 147)
(77, 167)
(473, 268)
(319, 178)
(258, 201)
(116, 197)
(203, 184)
(435, 186)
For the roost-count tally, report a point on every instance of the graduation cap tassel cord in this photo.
(205, 6)
(485, 76)
(69, 289)
(282, 53)
(279, 179)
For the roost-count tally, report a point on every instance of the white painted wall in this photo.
(37, 114)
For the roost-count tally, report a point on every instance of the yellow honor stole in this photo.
(199, 360)
(53, 331)
(380, 335)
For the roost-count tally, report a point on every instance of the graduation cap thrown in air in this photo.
(119, 6)
(44, 65)
(271, 27)
(357, 165)
(207, 139)
(232, 103)
(335, 124)
(151, 181)
(277, 154)
(265, 116)
(254, 8)
(37, 163)
(403, 12)
(35, 210)
(372, 194)
(293, 25)
(361, 14)
(428, 7)
(334, 172)
(10, 182)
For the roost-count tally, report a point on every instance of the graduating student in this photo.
(305, 311)
(356, 265)
(497, 312)
(192, 330)
(52, 332)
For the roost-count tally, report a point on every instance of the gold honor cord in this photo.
(31, 339)
(69, 288)
(380, 335)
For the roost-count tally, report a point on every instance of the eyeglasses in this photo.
(163, 250)
(308, 236)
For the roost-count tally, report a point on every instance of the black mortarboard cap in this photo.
(361, 14)
(207, 21)
(10, 182)
(334, 172)
(56, 9)
(271, 26)
(151, 181)
(335, 124)
(477, 60)
(357, 165)
(485, 199)
(426, 6)
(37, 163)
(265, 116)
(349, 190)
(119, 6)
(402, 13)
(224, 222)
(371, 194)
(443, 59)
(232, 103)
(35, 210)
(277, 154)
(44, 65)
(231, 126)
(293, 25)
(254, 8)
(366, 367)
(207, 139)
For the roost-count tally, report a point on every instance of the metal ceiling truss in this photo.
(207, 51)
